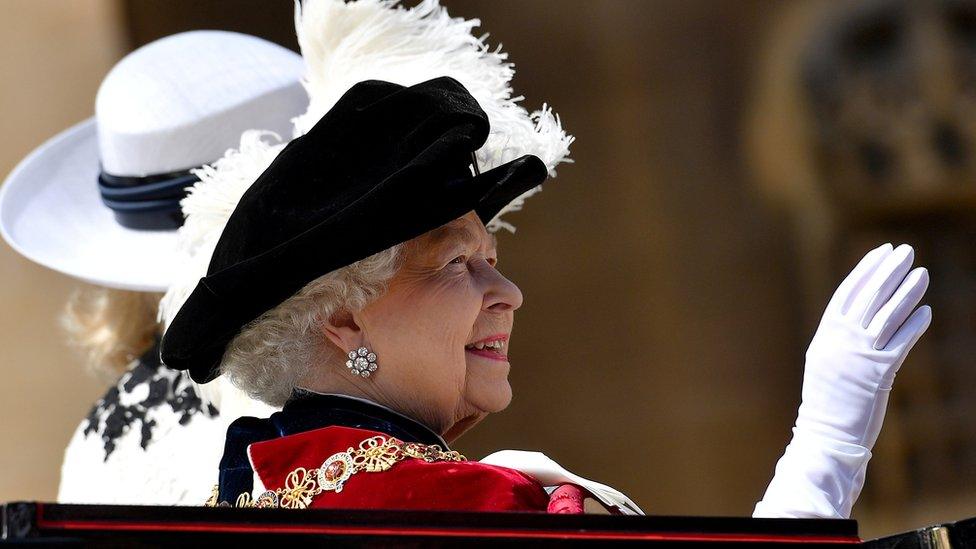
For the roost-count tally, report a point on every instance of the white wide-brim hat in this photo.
(52, 214)
(169, 106)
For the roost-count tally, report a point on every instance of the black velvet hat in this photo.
(386, 164)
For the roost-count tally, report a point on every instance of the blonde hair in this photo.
(111, 327)
(272, 354)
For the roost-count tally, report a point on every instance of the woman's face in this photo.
(441, 331)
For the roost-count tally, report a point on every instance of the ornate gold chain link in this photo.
(374, 455)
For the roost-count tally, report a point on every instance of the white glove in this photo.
(866, 332)
(550, 474)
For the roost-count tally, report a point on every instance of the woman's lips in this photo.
(492, 347)
(493, 355)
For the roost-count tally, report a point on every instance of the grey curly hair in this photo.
(273, 353)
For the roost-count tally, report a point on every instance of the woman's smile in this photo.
(493, 347)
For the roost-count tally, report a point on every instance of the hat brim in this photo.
(52, 214)
(216, 311)
(512, 181)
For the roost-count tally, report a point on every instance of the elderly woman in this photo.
(355, 283)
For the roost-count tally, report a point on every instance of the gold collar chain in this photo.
(374, 455)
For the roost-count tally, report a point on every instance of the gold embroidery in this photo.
(374, 455)
(243, 500)
(212, 500)
(300, 488)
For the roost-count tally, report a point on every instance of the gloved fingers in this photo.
(858, 277)
(896, 311)
(903, 341)
(879, 287)
(906, 336)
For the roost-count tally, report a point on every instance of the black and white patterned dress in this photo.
(151, 439)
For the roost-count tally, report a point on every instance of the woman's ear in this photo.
(341, 329)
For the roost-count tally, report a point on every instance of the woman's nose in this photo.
(503, 294)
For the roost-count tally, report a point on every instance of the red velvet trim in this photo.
(409, 484)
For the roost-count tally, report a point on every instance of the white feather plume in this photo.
(344, 43)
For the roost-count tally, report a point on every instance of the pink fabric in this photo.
(567, 499)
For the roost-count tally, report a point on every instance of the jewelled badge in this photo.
(335, 471)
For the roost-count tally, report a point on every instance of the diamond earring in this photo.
(362, 362)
